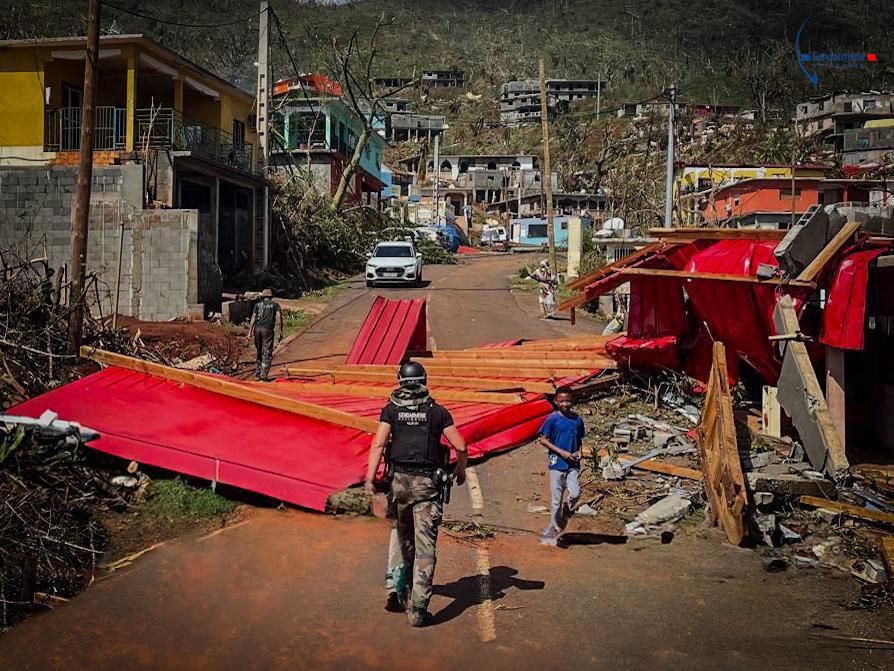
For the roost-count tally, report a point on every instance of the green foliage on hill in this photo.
(724, 50)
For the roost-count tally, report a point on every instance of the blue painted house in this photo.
(532, 230)
(322, 133)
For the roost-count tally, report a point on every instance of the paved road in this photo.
(288, 589)
(468, 304)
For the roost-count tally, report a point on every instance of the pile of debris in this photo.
(650, 471)
(50, 538)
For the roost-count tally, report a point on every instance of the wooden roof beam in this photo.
(480, 383)
(226, 387)
(692, 233)
(716, 277)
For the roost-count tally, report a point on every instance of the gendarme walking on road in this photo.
(417, 463)
(265, 317)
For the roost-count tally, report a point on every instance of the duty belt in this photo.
(415, 470)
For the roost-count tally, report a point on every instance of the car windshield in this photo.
(393, 251)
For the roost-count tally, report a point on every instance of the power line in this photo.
(157, 19)
(285, 43)
(577, 115)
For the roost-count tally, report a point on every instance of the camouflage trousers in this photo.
(419, 512)
(264, 349)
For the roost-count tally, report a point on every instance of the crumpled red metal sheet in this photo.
(739, 315)
(645, 353)
(656, 308)
(276, 453)
(390, 330)
(844, 318)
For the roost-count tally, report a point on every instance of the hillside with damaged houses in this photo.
(685, 246)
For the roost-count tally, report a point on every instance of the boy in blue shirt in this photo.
(562, 434)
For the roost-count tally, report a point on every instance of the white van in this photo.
(491, 235)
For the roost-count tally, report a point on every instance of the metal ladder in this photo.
(807, 215)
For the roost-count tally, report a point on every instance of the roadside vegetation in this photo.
(177, 499)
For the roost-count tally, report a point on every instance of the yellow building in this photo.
(185, 136)
(144, 91)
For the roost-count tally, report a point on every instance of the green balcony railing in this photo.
(167, 128)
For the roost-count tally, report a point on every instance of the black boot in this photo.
(419, 617)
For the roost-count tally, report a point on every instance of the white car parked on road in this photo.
(396, 262)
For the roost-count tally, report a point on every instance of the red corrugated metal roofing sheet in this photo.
(280, 454)
(391, 328)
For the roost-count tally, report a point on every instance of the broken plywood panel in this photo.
(723, 478)
(802, 398)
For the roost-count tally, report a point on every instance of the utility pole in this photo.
(85, 179)
(436, 177)
(792, 224)
(263, 104)
(669, 183)
(547, 175)
(598, 95)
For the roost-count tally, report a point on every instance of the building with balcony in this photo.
(321, 134)
(169, 135)
(406, 126)
(480, 178)
(833, 114)
(872, 144)
(520, 99)
(443, 78)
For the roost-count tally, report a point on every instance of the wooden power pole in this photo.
(85, 179)
(547, 175)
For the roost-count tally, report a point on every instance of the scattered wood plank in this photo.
(716, 277)
(607, 270)
(587, 387)
(848, 509)
(514, 369)
(516, 354)
(815, 267)
(480, 383)
(551, 345)
(721, 469)
(591, 362)
(365, 391)
(693, 233)
(880, 477)
(668, 469)
(887, 548)
(225, 387)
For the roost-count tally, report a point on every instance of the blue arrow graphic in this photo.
(804, 57)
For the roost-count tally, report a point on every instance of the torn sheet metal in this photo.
(844, 318)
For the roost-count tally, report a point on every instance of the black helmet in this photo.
(411, 373)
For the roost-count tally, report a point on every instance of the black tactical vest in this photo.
(415, 440)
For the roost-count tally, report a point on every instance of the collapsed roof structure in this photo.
(783, 303)
(307, 436)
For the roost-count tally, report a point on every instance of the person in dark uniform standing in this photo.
(265, 317)
(420, 480)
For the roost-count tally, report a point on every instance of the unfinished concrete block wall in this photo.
(159, 258)
(165, 252)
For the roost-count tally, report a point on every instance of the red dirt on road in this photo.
(290, 589)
